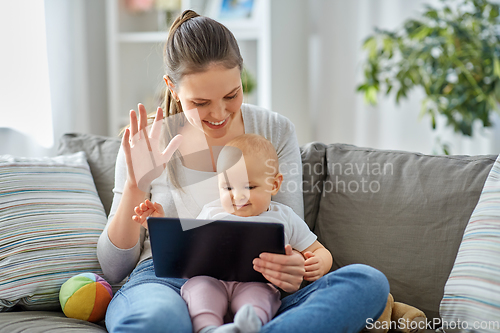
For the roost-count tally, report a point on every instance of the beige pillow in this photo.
(50, 220)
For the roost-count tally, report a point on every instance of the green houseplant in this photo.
(452, 52)
(248, 81)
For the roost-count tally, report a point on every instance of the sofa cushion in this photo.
(400, 212)
(472, 292)
(44, 322)
(101, 154)
(50, 220)
(313, 171)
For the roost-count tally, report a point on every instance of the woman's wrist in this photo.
(133, 189)
(123, 231)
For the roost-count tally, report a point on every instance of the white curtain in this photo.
(338, 29)
(24, 83)
(57, 81)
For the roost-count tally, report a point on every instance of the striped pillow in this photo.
(50, 220)
(472, 292)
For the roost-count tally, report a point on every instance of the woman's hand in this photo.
(145, 161)
(130, 132)
(284, 271)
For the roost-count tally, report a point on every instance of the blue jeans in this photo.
(340, 301)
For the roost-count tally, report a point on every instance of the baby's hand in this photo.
(145, 209)
(312, 266)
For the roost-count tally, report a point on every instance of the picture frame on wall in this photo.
(232, 10)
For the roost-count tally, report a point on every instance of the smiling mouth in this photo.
(218, 123)
(241, 206)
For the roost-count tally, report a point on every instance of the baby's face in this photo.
(246, 188)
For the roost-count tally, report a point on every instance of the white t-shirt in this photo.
(297, 233)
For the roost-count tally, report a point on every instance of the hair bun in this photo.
(186, 15)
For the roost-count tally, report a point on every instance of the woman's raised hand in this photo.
(145, 162)
(285, 271)
(130, 132)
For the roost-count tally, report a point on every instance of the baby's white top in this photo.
(297, 233)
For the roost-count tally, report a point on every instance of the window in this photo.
(24, 81)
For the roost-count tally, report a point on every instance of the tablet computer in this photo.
(221, 249)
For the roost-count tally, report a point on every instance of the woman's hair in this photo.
(194, 44)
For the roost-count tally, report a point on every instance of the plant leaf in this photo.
(370, 45)
(371, 95)
(496, 66)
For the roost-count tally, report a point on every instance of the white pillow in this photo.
(50, 220)
(472, 293)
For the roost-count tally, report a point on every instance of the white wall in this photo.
(76, 41)
(289, 45)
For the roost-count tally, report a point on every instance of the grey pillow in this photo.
(45, 321)
(314, 173)
(400, 212)
(101, 154)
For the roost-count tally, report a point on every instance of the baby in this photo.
(247, 177)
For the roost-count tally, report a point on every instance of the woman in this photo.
(203, 66)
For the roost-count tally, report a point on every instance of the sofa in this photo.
(401, 212)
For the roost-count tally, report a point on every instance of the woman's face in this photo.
(215, 96)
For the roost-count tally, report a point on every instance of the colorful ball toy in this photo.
(85, 296)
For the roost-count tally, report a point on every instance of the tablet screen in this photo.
(222, 249)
